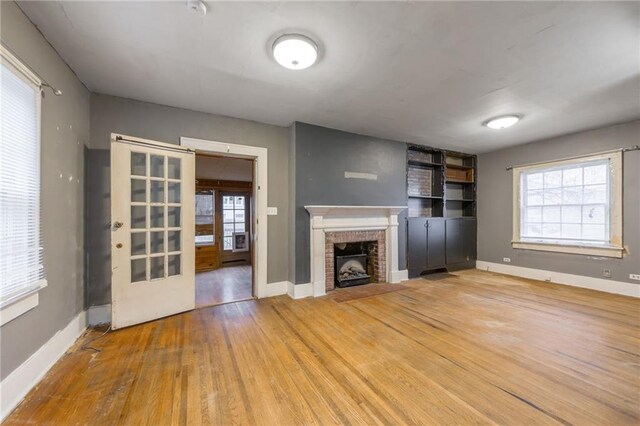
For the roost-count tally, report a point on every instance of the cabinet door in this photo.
(469, 239)
(455, 244)
(417, 244)
(436, 256)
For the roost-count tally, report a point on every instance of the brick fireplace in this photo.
(332, 225)
(378, 257)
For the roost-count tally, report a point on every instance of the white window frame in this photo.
(21, 303)
(615, 246)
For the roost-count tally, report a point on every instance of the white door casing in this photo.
(152, 230)
(259, 197)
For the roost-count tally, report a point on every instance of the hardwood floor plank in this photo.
(474, 348)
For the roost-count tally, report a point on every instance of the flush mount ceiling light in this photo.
(295, 51)
(502, 122)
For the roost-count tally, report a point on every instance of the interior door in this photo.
(152, 230)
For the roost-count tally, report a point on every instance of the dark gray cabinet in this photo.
(434, 243)
(425, 245)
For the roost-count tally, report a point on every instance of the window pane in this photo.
(173, 243)
(239, 216)
(174, 265)
(551, 214)
(593, 232)
(138, 217)
(593, 214)
(595, 194)
(157, 242)
(534, 198)
(157, 267)
(204, 209)
(534, 230)
(534, 181)
(174, 171)
(227, 243)
(552, 196)
(138, 270)
(239, 202)
(227, 202)
(553, 179)
(571, 231)
(239, 227)
(571, 214)
(534, 214)
(595, 174)
(173, 192)
(138, 243)
(173, 219)
(227, 216)
(572, 195)
(157, 166)
(572, 177)
(157, 191)
(138, 164)
(139, 190)
(228, 229)
(551, 230)
(157, 216)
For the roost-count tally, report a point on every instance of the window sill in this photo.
(21, 304)
(603, 251)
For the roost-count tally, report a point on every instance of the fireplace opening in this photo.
(352, 266)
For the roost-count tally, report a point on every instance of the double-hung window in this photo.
(570, 206)
(21, 256)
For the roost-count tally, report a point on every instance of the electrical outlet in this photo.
(606, 273)
(506, 259)
(634, 276)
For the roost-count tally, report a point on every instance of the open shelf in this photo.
(458, 166)
(459, 181)
(414, 163)
(426, 197)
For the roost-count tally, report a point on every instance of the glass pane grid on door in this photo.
(233, 218)
(156, 219)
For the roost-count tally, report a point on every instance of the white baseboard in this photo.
(278, 288)
(299, 291)
(399, 276)
(600, 284)
(17, 384)
(97, 315)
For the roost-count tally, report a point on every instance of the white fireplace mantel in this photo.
(351, 218)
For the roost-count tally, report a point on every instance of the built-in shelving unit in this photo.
(440, 183)
(441, 224)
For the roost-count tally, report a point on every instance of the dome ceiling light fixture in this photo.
(295, 51)
(503, 121)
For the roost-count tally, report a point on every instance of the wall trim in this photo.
(21, 380)
(299, 291)
(99, 314)
(599, 284)
(277, 288)
(398, 276)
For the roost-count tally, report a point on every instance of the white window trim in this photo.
(12, 308)
(615, 248)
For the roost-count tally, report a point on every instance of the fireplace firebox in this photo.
(351, 270)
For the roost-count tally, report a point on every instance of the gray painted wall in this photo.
(64, 133)
(322, 156)
(166, 124)
(495, 207)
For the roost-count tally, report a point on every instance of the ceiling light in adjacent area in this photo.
(295, 51)
(502, 122)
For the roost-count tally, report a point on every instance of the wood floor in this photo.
(477, 348)
(223, 285)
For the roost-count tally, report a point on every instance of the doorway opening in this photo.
(224, 212)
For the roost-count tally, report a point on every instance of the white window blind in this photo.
(21, 256)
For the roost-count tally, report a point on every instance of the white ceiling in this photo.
(224, 168)
(425, 72)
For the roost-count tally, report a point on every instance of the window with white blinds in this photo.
(21, 256)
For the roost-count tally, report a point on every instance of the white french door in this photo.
(152, 230)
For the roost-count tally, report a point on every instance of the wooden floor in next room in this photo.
(476, 347)
(223, 285)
